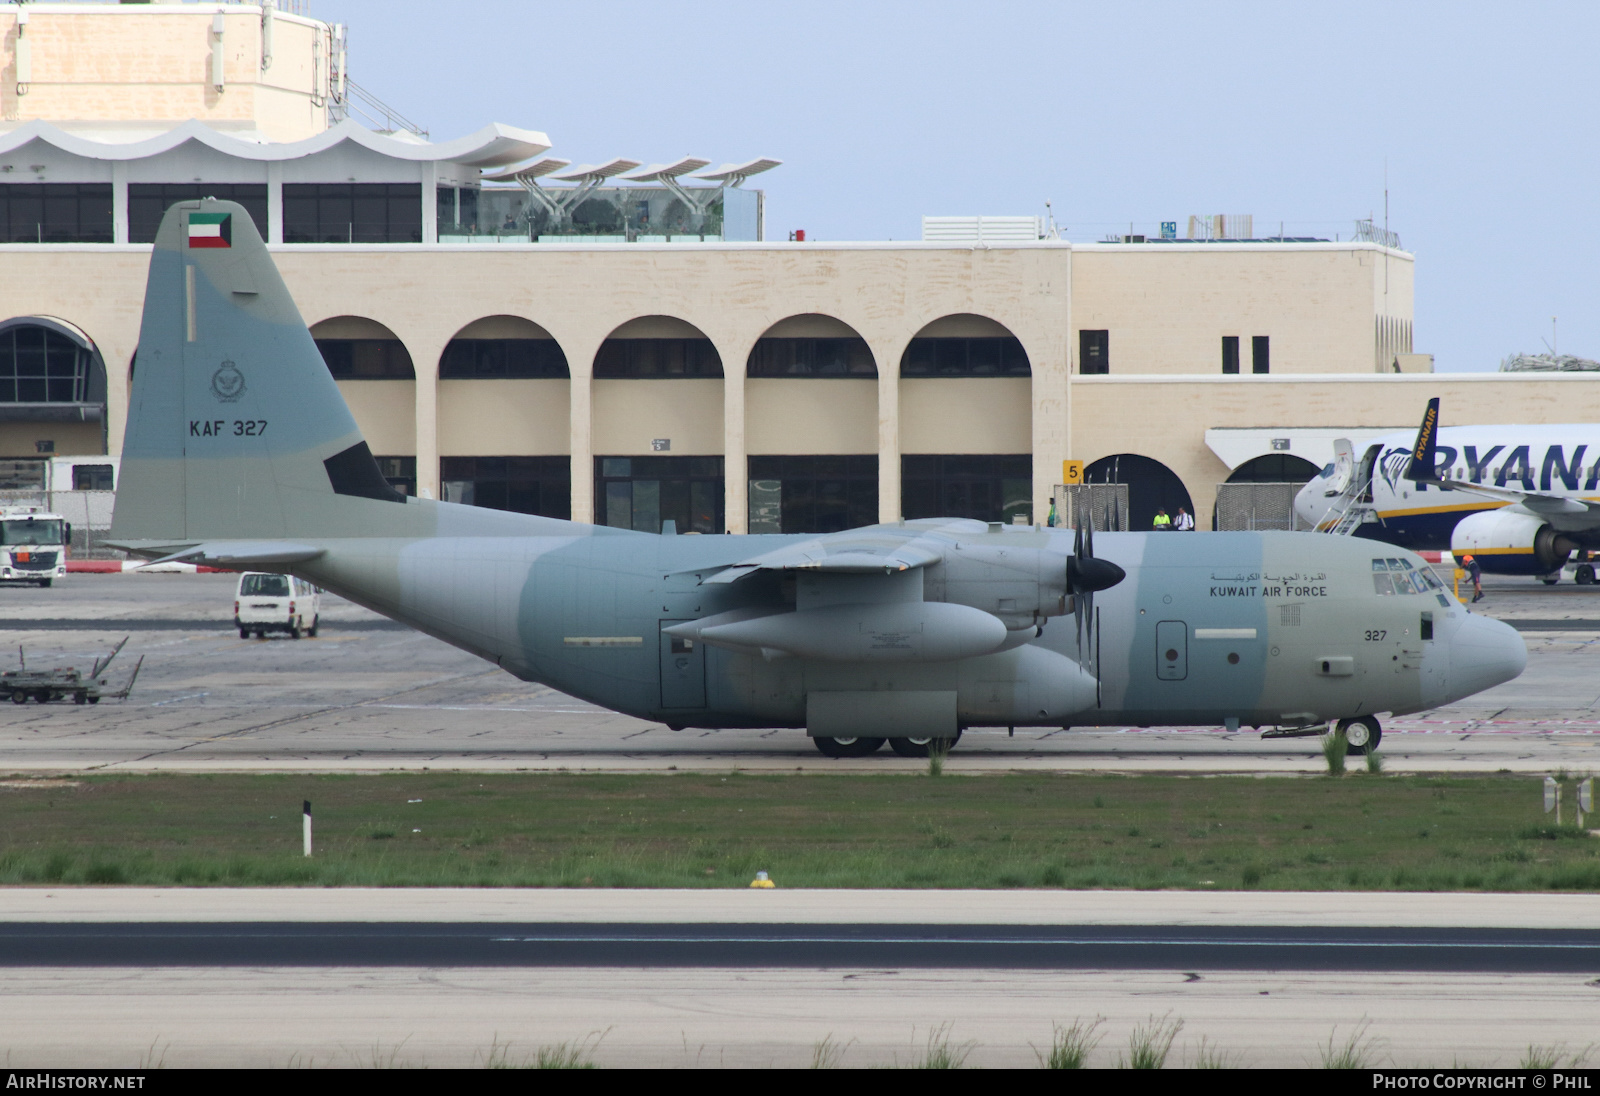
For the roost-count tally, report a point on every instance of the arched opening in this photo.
(811, 424)
(1275, 468)
(378, 381)
(657, 428)
(503, 348)
(1260, 493)
(1152, 487)
(52, 394)
(966, 422)
(504, 418)
(359, 349)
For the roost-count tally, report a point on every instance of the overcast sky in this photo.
(1482, 114)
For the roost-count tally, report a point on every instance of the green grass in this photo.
(707, 830)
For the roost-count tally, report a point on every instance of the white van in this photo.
(275, 603)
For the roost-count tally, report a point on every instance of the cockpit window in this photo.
(1398, 565)
(1379, 565)
(1381, 583)
(1431, 579)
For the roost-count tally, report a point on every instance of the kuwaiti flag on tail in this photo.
(210, 230)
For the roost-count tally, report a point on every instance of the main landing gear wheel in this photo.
(848, 747)
(1361, 736)
(919, 747)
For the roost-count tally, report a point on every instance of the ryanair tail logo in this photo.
(210, 230)
(1425, 435)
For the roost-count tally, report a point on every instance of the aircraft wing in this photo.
(878, 548)
(1421, 469)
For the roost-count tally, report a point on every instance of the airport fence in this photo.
(1257, 506)
(1107, 504)
(89, 513)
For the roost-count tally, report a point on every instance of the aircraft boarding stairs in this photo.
(1355, 514)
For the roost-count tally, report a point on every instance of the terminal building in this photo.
(622, 342)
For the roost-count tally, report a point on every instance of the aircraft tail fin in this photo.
(236, 429)
(1420, 468)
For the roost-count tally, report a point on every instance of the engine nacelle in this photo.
(1020, 585)
(1509, 542)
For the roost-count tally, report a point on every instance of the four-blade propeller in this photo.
(1087, 574)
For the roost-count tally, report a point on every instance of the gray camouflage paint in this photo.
(581, 607)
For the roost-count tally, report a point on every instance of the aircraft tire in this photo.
(1551, 580)
(1361, 735)
(848, 747)
(918, 747)
(1584, 575)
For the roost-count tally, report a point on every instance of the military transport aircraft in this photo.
(240, 452)
(1521, 498)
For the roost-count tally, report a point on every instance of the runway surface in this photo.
(818, 946)
(750, 1017)
(371, 695)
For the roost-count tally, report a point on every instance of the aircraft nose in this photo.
(1309, 502)
(1484, 653)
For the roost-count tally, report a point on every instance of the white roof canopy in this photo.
(584, 173)
(657, 172)
(492, 146)
(535, 170)
(734, 174)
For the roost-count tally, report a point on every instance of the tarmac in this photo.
(369, 695)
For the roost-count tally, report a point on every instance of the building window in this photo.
(367, 359)
(149, 202)
(642, 492)
(811, 358)
(1094, 352)
(812, 494)
(55, 213)
(1260, 355)
(990, 356)
(621, 359)
(401, 472)
(1230, 353)
(471, 359)
(38, 365)
(359, 213)
(524, 485)
(985, 487)
(92, 477)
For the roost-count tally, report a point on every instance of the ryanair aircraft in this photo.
(240, 452)
(1520, 499)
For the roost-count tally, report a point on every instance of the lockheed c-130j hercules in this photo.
(241, 452)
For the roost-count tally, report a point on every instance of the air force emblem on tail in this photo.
(210, 230)
(227, 383)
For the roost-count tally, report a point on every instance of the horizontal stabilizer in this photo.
(234, 554)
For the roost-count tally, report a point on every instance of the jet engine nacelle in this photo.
(1021, 586)
(1509, 542)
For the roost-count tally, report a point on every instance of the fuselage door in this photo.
(1172, 650)
(683, 671)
